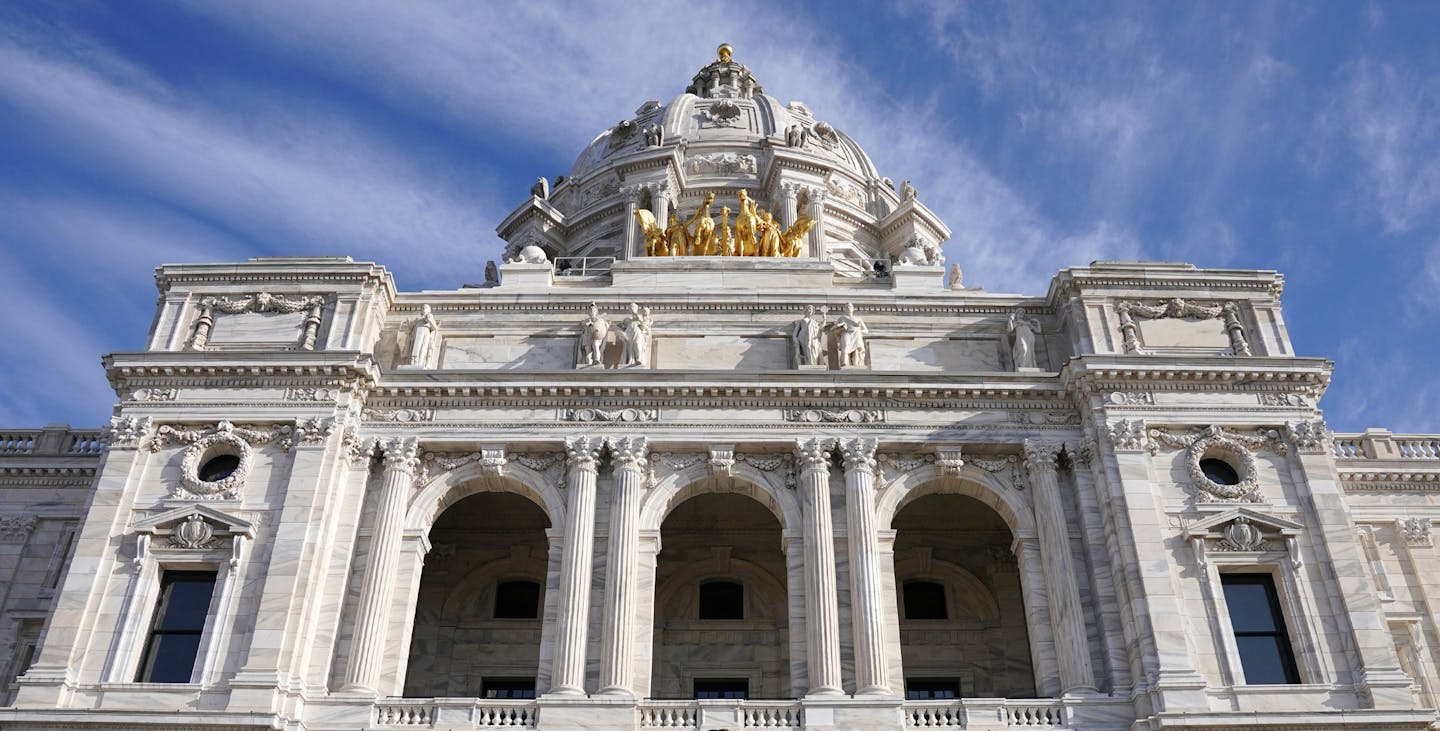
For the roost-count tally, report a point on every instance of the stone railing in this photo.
(455, 713)
(727, 713)
(1381, 444)
(56, 440)
(986, 713)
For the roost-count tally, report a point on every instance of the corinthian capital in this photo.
(629, 453)
(813, 453)
(859, 453)
(401, 454)
(582, 452)
(1042, 454)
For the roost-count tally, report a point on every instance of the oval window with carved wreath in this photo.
(215, 466)
(1223, 468)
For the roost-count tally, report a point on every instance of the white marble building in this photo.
(649, 481)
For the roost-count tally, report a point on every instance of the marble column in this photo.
(634, 237)
(660, 204)
(621, 566)
(572, 614)
(1072, 645)
(377, 589)
(822, 608)
(817, 232)
(788, 208)
(866, 583)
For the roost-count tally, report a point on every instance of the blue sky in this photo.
(1303, 137)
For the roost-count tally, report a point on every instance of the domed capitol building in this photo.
(721, 444)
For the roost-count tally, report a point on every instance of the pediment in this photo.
(164, 523)
(1211, 526)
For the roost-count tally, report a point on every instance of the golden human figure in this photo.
(724, 242)
(677, 240)
(769, 235)
(702, 235)
(791, 241)
(724, 52)
(745, 223)
(654, 235)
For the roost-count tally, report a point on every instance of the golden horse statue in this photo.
(792, 240)
(654, 235)
(702, 236)
(746, 222)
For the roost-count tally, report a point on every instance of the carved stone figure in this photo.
(593, 331)
(807, 336)
(907, 191)
(541, 189)
(654, 135)
(1023, 330)
(530, 254)
(635, 332)
(957, 278)
(796, 135)
(492, 274)
(852, 331)
(422, 336)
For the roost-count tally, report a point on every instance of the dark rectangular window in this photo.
(722, 600)
(1259, 626)
(508, 688)
(925, 600)
(726, 688)
(174, 640)
(517, 600)
(931, 689)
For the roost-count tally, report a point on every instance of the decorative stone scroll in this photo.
(824, 416)
(1415, 531)
(126, 432)
(222, 439)
(603, 415)
(1180, 309)
(1215, 441)
(262, 302)
(1244, 531)
(1309, 436)
(948, 457)
(722, 461)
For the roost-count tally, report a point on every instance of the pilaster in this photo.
(1066, 617)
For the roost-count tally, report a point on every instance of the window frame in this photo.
(1289, 659)
(539, 599)
(695, 688)
(700, 599)
(154, 631)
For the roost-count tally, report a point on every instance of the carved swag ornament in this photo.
(1234, 448)
(205, 444)
(1180, 309)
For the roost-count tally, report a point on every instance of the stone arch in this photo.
(450, 487)
(748, 573)
(698, 480)
(1006, 501)
(475, 584)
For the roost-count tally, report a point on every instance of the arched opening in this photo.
(962, 618)
(478, 614)
(721, 607)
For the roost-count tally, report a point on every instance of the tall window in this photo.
(174, 640)
(722, 600)
(1259, 626)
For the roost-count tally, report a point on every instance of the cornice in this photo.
(304, 271)
(231, 368)
(1093, 374)
(1145, 280)
(878, 301)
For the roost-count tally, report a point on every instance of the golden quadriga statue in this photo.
(756, 233)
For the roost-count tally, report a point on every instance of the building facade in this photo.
(719, 446)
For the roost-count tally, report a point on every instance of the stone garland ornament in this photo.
(1004, 466)
(262, 302)
(1180, 309)
(402, 416)
(550, 465)
(782, 466)
(1216, 442)
(823, 416)
(891, 467)
(615, 415)
(224, 439)
(492, 462)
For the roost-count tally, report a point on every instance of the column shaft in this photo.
(822, 608)
(616, 639)
(377, 590)
(1072, 644)
(868, 615)
(572, 613)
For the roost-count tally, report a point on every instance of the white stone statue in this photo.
(807, 335)
(422, 338)
(593, 331)
(957, 279)
(852, 337)
(1023, 331)
(636, 334)
(531, 254)
(907, 191)
(541, 189)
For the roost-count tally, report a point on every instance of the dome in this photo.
(723, 141)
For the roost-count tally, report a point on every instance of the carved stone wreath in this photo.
(220, 443)
(1215, 442)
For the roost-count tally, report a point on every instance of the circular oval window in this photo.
(219, 467)
(1219, 471)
